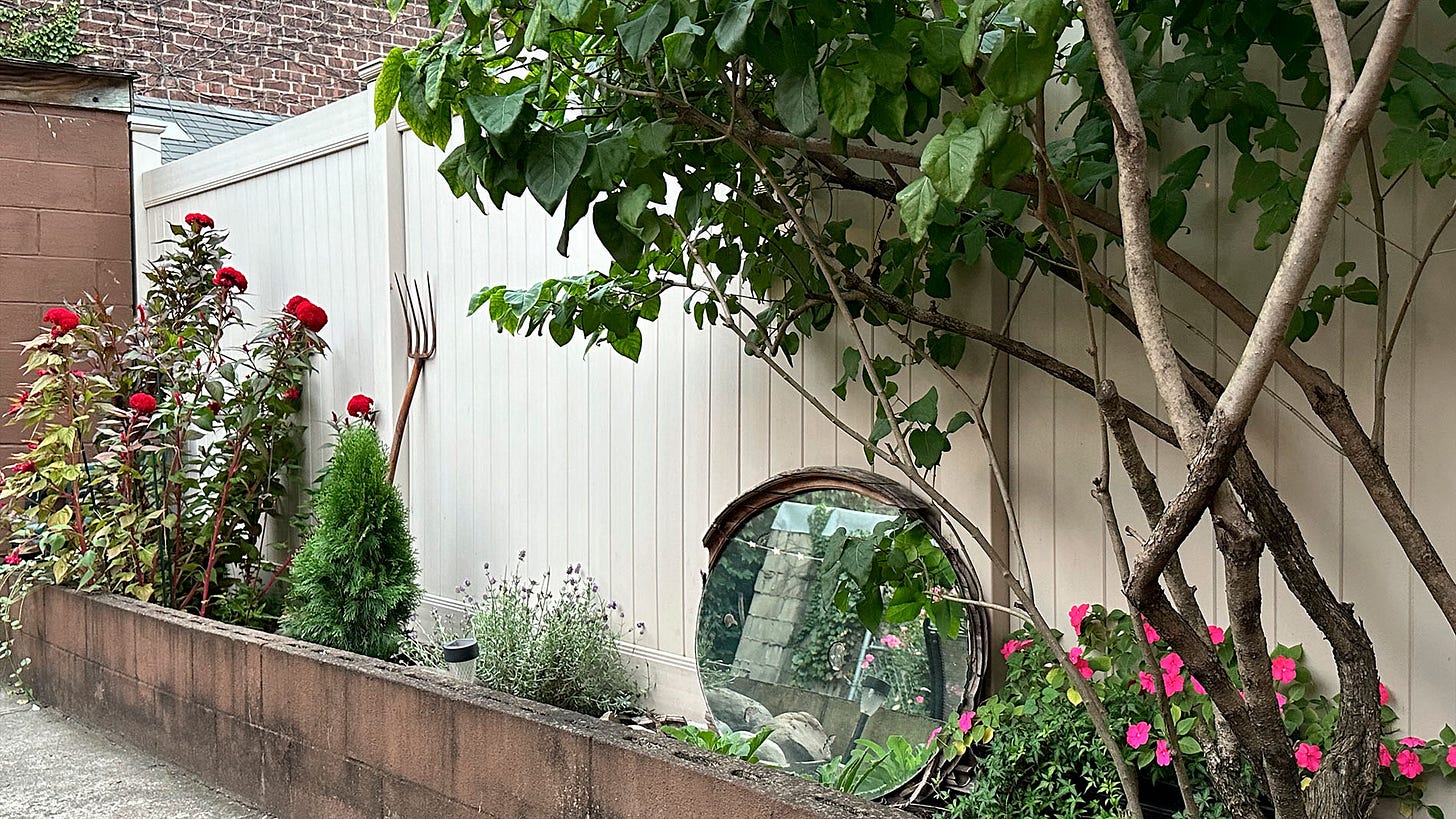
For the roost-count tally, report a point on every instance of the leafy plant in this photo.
(157, 452)
(48, 32)
(354, 580)
(741, 744)
(557, 646)
(873, 770)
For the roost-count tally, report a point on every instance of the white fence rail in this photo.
(515, 444)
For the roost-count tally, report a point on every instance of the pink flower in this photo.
(1150, 632)
(1013, 646)
(919, 700)
(1283, 669)
(1451, 756)
(1077, 615)
(1409, 764)
(1172, 664)
(1384, 694)
(1413, 742)
(1384, 756)
(1281, 699)
(930, 740)
(891, 641)
(1216, 635)
(1075, 655)
(1148, 682)
(1162, 753)
(868, 658)
(1137, 734)
(966, 721)
(1308, 756)
(1172, 684)
(13, 559)
(1197, 686)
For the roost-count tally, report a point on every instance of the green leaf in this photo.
(625, 247)
(639, 33)
(941, 42)
(629, 345)
(552, 161)
(1361, 291)
(957, 421)
(1252, 178)
(569, 12)
(871, 609)
(498, 115)
(946, 349)
(922, 411)
(1013, 157)
(1019, 67)
(432, 126)
(928, 445)
(679, 44)
(796, 98)
(386, 88)
(1189, 746)
(731, 29)
(917, 202)
(850, 372)
(846, 97)
(1043, 16)
(954, 163)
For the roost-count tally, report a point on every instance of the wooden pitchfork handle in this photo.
(404, 408)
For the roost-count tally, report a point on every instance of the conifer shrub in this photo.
(354, 580)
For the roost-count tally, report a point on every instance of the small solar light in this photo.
(460, 656)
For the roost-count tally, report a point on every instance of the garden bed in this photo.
(305, 731)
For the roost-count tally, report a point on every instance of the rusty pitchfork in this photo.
(420, 335)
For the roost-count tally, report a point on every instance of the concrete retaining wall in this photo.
(304, 731)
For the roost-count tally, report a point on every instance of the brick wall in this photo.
(306, 732)
(65, 220)
(279, 56)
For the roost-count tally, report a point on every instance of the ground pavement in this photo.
(53, 766)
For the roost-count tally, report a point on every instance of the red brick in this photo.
(19, 231)
(85, 235)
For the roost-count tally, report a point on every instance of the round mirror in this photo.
(775, 651)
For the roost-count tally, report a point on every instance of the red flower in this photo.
(230, 277)
(13, 559)
(24, 467)
(142, 403)
(20, 401)
(64, 320)
(214, 406)
(290, 394)
(292, 305)
(360, 405)
(310, 315)
(198, 221)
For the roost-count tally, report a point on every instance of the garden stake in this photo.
(419, 342)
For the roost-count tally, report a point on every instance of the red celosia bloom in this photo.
(312, 316)
(64, 320)
(293, 305)
(24, 467)
(142, 403)
(1308, 756)
(290, 394)
(20, 401)
(230, 277)
(198, 221)
(360, 405)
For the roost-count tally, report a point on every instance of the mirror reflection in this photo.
(774, 651)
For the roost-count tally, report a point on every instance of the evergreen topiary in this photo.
(354, 580)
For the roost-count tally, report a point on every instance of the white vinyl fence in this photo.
(515, 444)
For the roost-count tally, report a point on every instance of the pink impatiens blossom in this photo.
(930, 740)
(1281, 699)
(1384, 694)
(1451, 756)
(1172, 664)
(1162, 753)
(868, 658)
(891, 641)
(1384, 756)
(1283, 668)
(1077, 614)
(1148, 682)
(1173, 684)
(1308, 756)
(1413, 742)
(919, 700)
(1216, 634)
(1150, 632)
(1137, 734)
(1013, 646)
(1409, 764)
(966, 721)
(1075, 655)
(1198, 686)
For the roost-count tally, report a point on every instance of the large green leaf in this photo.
(639, 33)
(941, 43)
(917, 202)
(679, 44)
(954, 163)
(796, 97)
(497, 114)
(431, 125)
(622, 243)
(569, 12)
(731, 29)
(552, 161)
(846, 97)
(1019, 67)
(386, 88)
(1044, 16)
